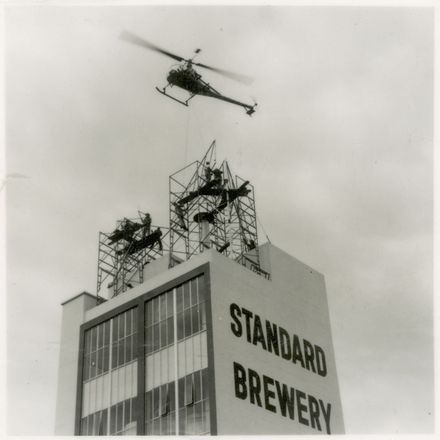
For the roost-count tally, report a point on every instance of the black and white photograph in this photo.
(218, 219)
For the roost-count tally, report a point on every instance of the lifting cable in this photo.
(186, 138)
(199, 126)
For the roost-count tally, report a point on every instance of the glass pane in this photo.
(128, 356)
(121, 345)
(189, 391)
(148, 314)
(134, 346)
(169, 303)
(93, 331)
(202, 316)
(90, 425)
(88, 339)
(148, 405)
(100, 335)
(96, 423)
(206, 420)
(155, 310)
(194, 295)
(172, 397)
(100, 361)
(86, 369)
(114, 355)
(205, 383)
(179, 299)
(195, 319)
(170, 330)
(93, 364)
(164, 427)
(155, 337)
(181, 385)
(106, 358)
(113, 419)
(201, 288)
(115, 329)
(179, 326)
(127, 412)
(189, 429)
(103, 428)
(163, 333)
(148, 428)
(198, 418)
(156, 427)
(193, 292)
(84, 426)
(197, 386)
(156, 401)
(163, 306)
(107, 333)
(148, 340)
(119, 416)
(128, 329)
(186, 296)
(121, 325)
(134, 320)
(173, 423)
(182, 421)
(187, 319)
(164, 403)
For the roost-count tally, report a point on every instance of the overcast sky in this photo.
(340, 153)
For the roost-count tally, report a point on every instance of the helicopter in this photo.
(187, 78)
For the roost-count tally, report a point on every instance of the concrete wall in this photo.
(295, 299)
(73, 316)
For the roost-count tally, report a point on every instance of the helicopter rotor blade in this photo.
(134, 39)
(232, 75)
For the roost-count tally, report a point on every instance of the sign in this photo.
(274, 366)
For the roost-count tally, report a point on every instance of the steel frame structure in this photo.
(211, 208)
(121, 261)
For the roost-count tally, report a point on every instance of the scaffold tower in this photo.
(123, 253)
(211, 208)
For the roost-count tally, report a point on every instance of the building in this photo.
(208, 344)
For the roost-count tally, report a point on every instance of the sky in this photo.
(340, 152)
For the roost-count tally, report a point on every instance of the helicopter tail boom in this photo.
(250, 109)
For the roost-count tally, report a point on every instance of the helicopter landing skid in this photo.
(185, 103)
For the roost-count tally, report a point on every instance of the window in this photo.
(175, 335)
(174, 344)
(110, 376)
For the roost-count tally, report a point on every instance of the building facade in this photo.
(205, 347)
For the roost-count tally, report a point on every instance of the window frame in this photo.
(138, 304)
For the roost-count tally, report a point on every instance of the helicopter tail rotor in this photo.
(251, 110)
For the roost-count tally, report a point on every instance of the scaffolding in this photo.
(123, 253)
(211, 208)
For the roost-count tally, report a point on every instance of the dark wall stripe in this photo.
(140, 416)
(211, 369)
(79, 384)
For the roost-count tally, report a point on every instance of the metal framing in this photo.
(211, 208)
(121, 260)
(139, 304)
